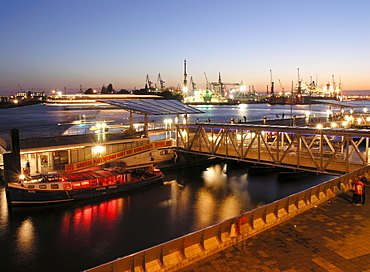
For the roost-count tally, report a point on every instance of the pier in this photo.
(330, 237)
(322, 150)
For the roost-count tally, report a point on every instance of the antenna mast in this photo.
(272, 84)
(185, 75)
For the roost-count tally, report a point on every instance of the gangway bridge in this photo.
(328, 151)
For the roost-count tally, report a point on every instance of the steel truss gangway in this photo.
(329, 151)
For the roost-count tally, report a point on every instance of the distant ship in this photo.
(306, 94)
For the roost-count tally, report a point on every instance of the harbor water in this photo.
(80, 235)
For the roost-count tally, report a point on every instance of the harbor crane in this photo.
(161, 82)
(334, 84)
(207, 83)
(192, 83)
(148, 83)
(282, 88)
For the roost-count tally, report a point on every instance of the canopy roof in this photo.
(336, 103)
(153, 106)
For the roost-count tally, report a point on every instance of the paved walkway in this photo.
(335, 236)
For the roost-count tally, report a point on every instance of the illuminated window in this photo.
(76, 185)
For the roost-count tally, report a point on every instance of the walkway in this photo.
(335, 236)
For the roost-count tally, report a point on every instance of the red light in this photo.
(85, 183)
(76, 185)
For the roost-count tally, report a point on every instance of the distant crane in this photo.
(20, 88)
(207, 83)
(282, 88)
(334, 85)
(192, 83)
(161, 82)
(148, 83)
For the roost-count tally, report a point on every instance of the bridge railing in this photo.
(185, 250)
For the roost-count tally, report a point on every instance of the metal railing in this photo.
(183, 251)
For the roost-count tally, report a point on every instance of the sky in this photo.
(51, 44)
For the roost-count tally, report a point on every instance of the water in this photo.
(83, 234)
(40, 117)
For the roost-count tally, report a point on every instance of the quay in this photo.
(334, 236)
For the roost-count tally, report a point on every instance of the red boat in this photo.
(55, 187)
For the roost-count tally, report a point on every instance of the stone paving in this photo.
(335, 236)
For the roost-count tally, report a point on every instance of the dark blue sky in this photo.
(55, 44)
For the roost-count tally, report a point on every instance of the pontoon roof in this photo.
(153, 106)
(336, 103)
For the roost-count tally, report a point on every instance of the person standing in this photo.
(27, 168)
(363, 179)
(239, 235)
(358, 192)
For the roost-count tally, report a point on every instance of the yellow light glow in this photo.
(98, 149)
(319, 126)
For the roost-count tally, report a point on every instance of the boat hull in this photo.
(24, 196)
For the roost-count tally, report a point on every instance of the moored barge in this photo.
(55, 187)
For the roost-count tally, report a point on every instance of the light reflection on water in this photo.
(4, 212)
(40, 117)
(26, 239)
(92, 232)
